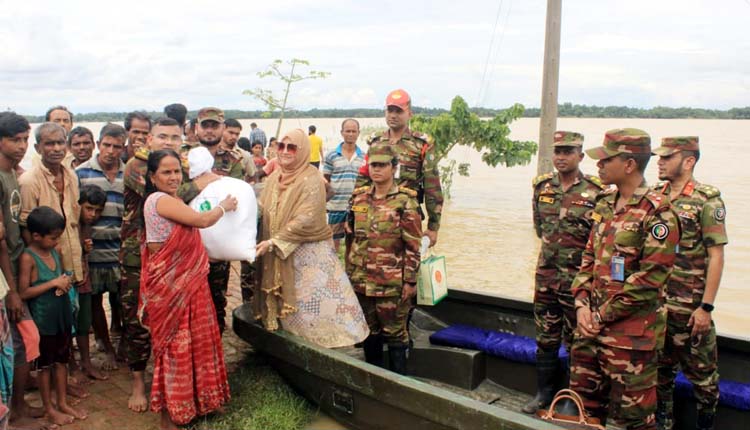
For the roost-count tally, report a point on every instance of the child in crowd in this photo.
(42, 283)
(258, 159)
(92, 200)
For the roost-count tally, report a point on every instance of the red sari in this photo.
(190, 378)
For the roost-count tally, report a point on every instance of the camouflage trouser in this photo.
(218, 282)
(136, 338)
(554, 316)
(386, 316)
(615, 383)
(697, 356)
(247, 279)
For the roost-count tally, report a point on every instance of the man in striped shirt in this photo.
(340, 169)
(106, 171)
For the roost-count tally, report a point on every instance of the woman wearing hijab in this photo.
(302, 281)
(190, 378)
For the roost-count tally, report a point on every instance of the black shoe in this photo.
(663, 416)
(705, 420)
(397, 358)
(546, 369)
(373, 347)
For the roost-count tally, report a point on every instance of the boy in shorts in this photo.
(43, 284)
(92, 200)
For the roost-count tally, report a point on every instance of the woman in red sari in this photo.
(190, 378)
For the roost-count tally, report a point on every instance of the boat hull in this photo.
(362, 396)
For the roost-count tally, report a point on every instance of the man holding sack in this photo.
(383, 263)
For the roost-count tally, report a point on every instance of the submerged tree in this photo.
(460, 126)
(268, 97)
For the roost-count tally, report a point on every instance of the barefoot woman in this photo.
(190, 378)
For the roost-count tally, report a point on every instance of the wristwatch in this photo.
(708, 307)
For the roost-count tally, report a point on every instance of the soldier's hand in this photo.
(432, 235)
(347, 228)
(700, 321)
(409, 291)
(586, 324)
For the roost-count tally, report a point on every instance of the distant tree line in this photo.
(565, 110)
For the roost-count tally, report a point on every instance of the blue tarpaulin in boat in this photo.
(522, 349)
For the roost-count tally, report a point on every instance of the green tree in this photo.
(461, 126)
(274, 70)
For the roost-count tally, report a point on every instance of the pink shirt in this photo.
(158, 228)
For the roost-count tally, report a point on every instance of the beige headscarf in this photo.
(294, 212)
(301, 159)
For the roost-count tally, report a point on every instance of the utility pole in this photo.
(551, 73)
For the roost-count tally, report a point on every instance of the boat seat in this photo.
(522, 349)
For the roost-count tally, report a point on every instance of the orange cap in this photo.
(398, 98)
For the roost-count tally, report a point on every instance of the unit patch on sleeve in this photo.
(660, 231)
(720, 213)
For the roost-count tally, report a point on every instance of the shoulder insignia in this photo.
(142, 153)
(373, 138)
(656, 198)
(360, 190)
(606, 191)
(708, 191)
(408, 191)
(595, 180)
(423, 137)
(661, 187)
(541, 178)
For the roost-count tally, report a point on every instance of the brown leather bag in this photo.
(581, 420)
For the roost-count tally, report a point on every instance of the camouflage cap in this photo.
(210, 114)
(398, 98)
(670, 145)
(380, 152)
(568, 138)
(622, 141)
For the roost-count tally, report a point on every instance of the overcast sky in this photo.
(123, 55)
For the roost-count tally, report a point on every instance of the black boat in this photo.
(454, 387)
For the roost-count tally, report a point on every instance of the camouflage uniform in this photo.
(417, 170)
(702, 214)
(384, 253)
(626, 263)
(562, 219)
(226, 163)
(136, 340)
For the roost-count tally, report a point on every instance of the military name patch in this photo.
(583, 203)
(545, 199)
(660, 231)
(720, 214)
(687, 215)
(359, 209)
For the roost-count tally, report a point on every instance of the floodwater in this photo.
(487, 236)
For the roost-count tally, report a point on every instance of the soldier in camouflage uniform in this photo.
(562, 206)
(619, 291)
(691, 336)
(417, 168)
(210, 129)
(165, 134)
(383, 261)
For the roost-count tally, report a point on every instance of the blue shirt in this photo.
(258, 135)
(106, 232)
(343, 176)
